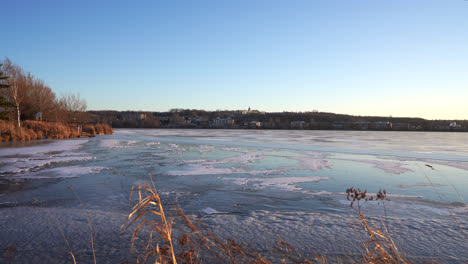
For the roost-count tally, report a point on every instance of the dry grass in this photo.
(160, 250)
(88, 218)
(380, 248)
(197, 244)
(10, 252)
(32, 130)
(193, 246)
(103, 129)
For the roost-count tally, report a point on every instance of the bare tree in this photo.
(40, 98)
(73, 106)
(17, 83)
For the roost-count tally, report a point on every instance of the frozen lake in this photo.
(255, 186)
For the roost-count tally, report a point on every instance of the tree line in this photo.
(26, 97)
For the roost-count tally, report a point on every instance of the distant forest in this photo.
(191, 118)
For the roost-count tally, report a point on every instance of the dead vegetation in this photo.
(196, 244)
(33, 130)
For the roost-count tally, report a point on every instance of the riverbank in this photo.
(33, 130)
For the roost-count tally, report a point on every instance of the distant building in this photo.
(141, 116)
(223, 122)
(342, 125)
(164, 120)
(400, 126)
(255, 124)
(39, 116)
(337, 126)
(454, 125)
(204, 123)
(133, 116)
(268, 125)
(449, 126)
(362, 125)
(250, 111)
(382, 125)
(299, 124)
(319, 125)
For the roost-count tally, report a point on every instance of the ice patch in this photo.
(211, 170)
(232, 149)
(116, 143)
(58, 146)
(194, 161)
(27, 159)
(210, 211)
(388, 167)
(322, 192)
(316, 155)
(419, 185)
(312, 164)
(245, 158)
(124, 131)
(153, 143)
(458, 165)
(203, 148)
(61, 172)
(286, 183)
(267, 172)
(437, 209)
(198, 170)
(19, 165)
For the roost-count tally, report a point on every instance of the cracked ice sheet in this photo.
(19, 165)
(25, 159)
(210, 170)
(313, 161)
(286, 183)
(387, 166)
(57, 146)
(116, 143)
(60, 172)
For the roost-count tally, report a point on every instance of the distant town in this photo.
(25, 98)
(255, 119)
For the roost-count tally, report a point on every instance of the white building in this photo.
(223, 122)
(298, 124)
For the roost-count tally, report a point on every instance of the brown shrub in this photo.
(104, 129)
(89, 129)
(32, 130)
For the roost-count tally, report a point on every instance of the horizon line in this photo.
(260, 111)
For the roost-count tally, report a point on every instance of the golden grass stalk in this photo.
(225, 252)
(381, 248)
(151, 203)
(293, 255)
(197, 244)
(191, 243)
(62, 233)
(89, 225)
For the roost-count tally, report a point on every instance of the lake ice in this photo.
(255, 186)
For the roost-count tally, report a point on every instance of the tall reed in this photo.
(198, 245)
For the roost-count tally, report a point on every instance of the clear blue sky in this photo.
(364, 57)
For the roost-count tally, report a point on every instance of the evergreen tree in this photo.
(4, 103)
